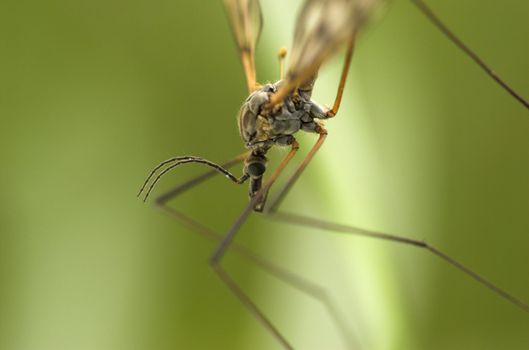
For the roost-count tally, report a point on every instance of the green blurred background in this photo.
(94, 94)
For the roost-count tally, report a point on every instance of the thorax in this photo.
(261, 126)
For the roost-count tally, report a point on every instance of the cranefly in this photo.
(270, 117)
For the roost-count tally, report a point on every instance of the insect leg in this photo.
(220, 251)
(305, 286)
(329, 226)
(260, 201)
(343, 78)
(246, 20)
(290, 182)
(270, 211)
(339, 228)
(452, 37)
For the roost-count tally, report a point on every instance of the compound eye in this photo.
(255, 169)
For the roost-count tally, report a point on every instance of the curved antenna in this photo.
(453, 38)
(170, 160)
(185, 160)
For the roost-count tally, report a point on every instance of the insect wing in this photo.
(322, 27)
(246, 21)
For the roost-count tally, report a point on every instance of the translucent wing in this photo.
(246, 22)
(322, 27)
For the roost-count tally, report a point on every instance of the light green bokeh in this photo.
(93, 94)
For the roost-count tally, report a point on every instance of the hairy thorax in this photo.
(261, 127)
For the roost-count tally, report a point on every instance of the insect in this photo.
(257, 162)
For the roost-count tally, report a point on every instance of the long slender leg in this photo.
(345, 71)
(307, 287)
(452, 37)
(293, 178)
(226, 241)
(330, 226)
(273, 212)
(222, 247)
